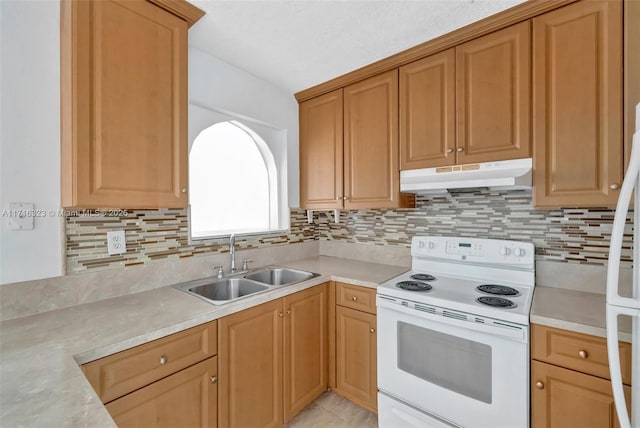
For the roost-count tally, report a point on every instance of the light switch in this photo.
(21, 216)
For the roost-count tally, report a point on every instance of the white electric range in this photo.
(453, 335)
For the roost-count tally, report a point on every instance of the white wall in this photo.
(216, 85)
(30, 136)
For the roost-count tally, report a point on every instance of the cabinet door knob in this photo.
(184, 190)
(289, 311)
(459, 149)
(614, 186)
(163, 360)
(214, 379)
(449, 150)
(583, 354)
(354, 298)
(338, 198)
(346, 198)
(372, 330)
(539, 385)
(281, 314)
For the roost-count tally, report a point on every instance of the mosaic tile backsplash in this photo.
(577, 235)
(574, 235)
(156, 235)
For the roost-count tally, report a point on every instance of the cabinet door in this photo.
(371, 169)
(250, 354)
(305, 348)
(427, 112)
(577, 98)
(356, 361)
(321, 149)
(493, 89)
(124, 105)
(565, 398)
(188, 398)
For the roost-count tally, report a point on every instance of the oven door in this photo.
(470, 371)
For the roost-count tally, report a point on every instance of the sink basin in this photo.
(279, 276)
(222, 290)
(225, 290)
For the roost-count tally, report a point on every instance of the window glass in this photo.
(233, 182)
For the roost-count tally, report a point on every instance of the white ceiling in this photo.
(297, 44)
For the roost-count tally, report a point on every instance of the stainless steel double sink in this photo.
(225, 290)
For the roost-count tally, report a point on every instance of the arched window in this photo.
(233, 182)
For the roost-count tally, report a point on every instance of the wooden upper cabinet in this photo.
(371, 168)
(427, 112)
(493, 89)
(577, 99)
(124, 104)
(321, 148)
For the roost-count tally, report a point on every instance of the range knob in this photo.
(431, 245)
(421, 244)
(518, 252)
(505, 251)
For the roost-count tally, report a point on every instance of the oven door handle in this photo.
(453, 318)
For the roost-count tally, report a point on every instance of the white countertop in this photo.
(41, 383)
(574, 310)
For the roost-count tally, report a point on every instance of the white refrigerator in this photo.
(627, 305)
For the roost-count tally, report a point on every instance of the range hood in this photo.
(510, 174)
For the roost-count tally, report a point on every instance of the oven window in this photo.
(457, 364)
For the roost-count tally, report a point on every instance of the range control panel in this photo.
(478, 250)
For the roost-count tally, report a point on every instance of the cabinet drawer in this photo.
(577, 351)
(126, 371)
(188, 398)
(355, 297)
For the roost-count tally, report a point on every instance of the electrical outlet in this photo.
(116, 243)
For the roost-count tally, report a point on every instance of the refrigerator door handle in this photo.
(617, 232)
(615, 369)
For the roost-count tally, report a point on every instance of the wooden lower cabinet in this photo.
(255, 391)
(250, 358)
(356, 359)
(185, 399)
(305, 348)
(566, 398)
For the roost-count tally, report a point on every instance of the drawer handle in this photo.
(163, 360)
(214, 379)
(539, 385)
(373, 330)
(583, 354)
(354, 298)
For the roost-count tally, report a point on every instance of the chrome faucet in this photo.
(232, 252)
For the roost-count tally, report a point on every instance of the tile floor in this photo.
(332, 411)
